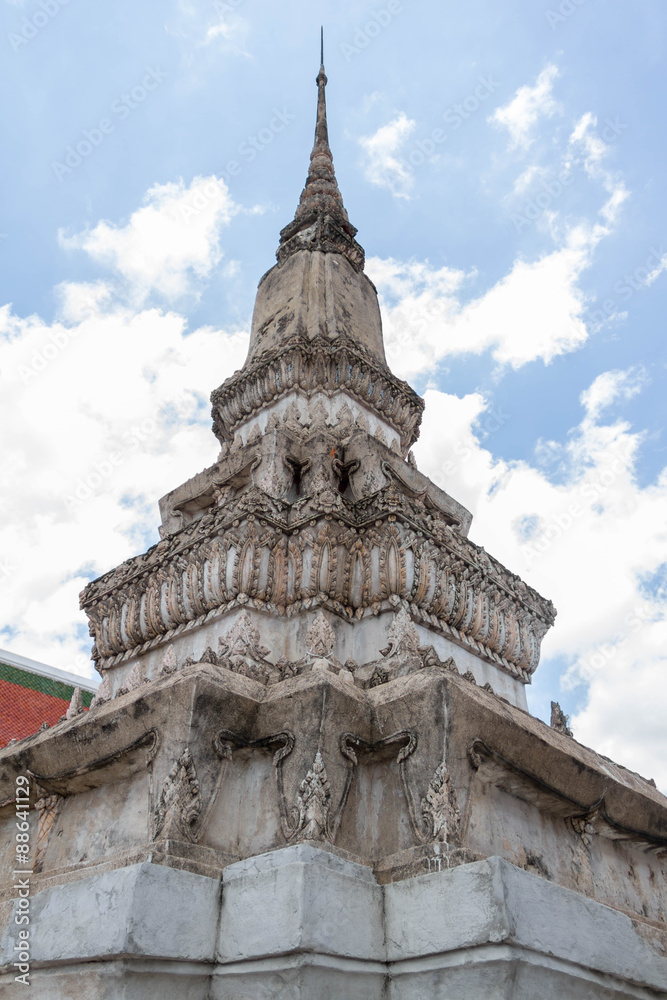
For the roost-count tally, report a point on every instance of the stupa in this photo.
(309, 771)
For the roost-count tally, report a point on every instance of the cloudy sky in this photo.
(504, 163)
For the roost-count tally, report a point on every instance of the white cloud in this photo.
(611, 385)
(535, 312)
(169, 243)
(382, 165)
(528, 105)
(594, 542)
(592, 149)
(109, 410)
(657, 270)
(538, 310)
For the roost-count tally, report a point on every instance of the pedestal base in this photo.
(304, 924)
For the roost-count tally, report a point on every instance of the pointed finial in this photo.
(321, 198)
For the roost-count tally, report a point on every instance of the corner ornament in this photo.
(180, 803)
(314, 803)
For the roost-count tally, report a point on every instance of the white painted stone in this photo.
(145, 909)
(307, 403)
(300, 923)
(284, 637)
(491, 902)
(300, 898)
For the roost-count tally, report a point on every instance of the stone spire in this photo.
(315, 504)
(321, 221)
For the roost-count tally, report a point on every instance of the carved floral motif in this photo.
(320, 637)
(313, 803)
(179, 804)
(559, 720)
(76, 704)
(439, 808)
(48, 806)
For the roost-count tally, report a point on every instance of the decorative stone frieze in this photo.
(319, 366)
(355, 561)
(440, 810)
(313, 804)
(179, 805)
(316, 652)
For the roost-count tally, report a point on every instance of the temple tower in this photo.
(309, 771)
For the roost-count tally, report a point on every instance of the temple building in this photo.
(309, 771)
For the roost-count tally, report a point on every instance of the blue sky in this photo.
(504, 165)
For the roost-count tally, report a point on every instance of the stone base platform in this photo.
(301, 923)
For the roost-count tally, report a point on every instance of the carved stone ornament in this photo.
(179, 804)
(134, 679)
(559, 720)
(320, 637)
(584, 829)
(48, 806)
(439, 808)
(273, 483)
(229, 557)
(313, 803)
(75, 705)
(103, 693)
(169, 663)
(240, 650)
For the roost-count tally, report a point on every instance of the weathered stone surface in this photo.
(420, 773)
(302, 922)
(309, 770)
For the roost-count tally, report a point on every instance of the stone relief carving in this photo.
(584, 829)
(169, 664)
(439, 808)
(585, 820)
(179, 804)
(226, 742)
(320, 637)
(76, 705)
(134, 679)
(48, 806)
(403, 655)
(253, 550)
(313, 803)
(352, 746)
(273, 483)
(309, 819)
(241, 651)
(317, 365)
(559, 720)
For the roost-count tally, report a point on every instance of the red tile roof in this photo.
(28, 699)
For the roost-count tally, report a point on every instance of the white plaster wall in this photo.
(300, 924)
(360, 640)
